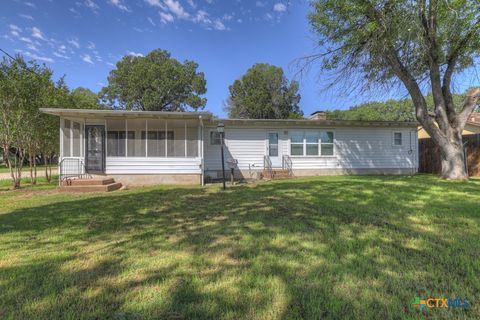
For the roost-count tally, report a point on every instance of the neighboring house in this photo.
(471, 127)
(136, 147)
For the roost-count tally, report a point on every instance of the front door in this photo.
(95, 148)
(273, 149)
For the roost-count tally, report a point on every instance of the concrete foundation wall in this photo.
(155, 179)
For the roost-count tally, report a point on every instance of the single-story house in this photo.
(150, 147)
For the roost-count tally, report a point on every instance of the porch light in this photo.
(220, 128)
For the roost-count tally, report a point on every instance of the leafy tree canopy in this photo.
(156, 82)
(264, 93)
(84, 98)
(390, 110)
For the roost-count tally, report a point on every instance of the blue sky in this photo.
(83, 39)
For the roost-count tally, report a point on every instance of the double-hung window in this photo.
(326, 139)
(312, 143)
(296, 143)
(311, 140)
(397, 139)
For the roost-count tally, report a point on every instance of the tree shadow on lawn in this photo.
(334, 248)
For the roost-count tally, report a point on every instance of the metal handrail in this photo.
(267, 165)
(71, 168)
(287, 164)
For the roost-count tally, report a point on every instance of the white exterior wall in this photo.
(246, 145)
(143, 165)
(355, 148)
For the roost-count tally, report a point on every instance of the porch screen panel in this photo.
(178, 128)
(115, 138)
(76, 143)
(135, 143)
(66, 138)
(192, 139)
(156, 138)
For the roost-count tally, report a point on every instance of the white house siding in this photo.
(373, 148)
(246, 145)
(355, 148)
(139, 165)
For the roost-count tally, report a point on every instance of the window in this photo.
(326, 138)
(215, 138)
(397, 139)
(296, 144)
(311, 138)
(312, 143)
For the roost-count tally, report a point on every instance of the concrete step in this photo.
(91, 188)
(276, 174)
(90, 182)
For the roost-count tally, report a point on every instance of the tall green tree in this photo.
(412, 43)
(155, 82)
(23, 90)
(84, 98)
(390, 110)
(264, 92)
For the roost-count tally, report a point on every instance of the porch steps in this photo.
(90, 185)
(276, 174)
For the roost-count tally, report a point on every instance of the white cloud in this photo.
(25, 16)
(32, 47)
(218, 25)
(173, 9)
(279, 7)
(151, 21)
(119, 5)
(155, 3)
(91, 45)
(135, 54)
(15, 30)
(176, 8)
(29, 4)
(37, 33)
(86, 58)
(62, 49)
(60, 55)
(36, 57)
(90, 4)
(74, 42)
(166, 17)
(26, 39)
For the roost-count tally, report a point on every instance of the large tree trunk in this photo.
(453, 160)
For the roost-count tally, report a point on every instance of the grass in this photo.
(326, 247)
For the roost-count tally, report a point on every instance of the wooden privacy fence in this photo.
(429, 155)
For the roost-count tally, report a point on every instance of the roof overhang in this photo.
(123, 114)
(211, 121)
(311, 123)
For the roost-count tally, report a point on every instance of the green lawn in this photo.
(326, 247)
